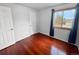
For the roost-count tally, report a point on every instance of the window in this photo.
(64, 19)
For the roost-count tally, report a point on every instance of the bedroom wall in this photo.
(45, 18)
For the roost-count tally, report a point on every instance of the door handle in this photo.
(11, 29)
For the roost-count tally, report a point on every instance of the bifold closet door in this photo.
(32, 21)
(6, 27)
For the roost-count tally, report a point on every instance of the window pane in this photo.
(68, 18)
(58, 17)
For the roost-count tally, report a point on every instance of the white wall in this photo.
(61, 34)
(45, 20)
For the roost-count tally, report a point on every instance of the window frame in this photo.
(62, 10)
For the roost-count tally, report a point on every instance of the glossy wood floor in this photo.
(38, 44)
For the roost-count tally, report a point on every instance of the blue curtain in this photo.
(73, 33)
(51, 24)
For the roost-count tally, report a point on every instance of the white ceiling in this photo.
(39, 5)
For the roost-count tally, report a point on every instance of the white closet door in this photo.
(6, 27)
(1, 35)
(32, 22)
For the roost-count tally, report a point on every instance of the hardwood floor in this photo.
(38, 44)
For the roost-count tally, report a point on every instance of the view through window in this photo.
(64, 19)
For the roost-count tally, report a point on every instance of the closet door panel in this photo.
(7, 27)
(32, 21)
(1, 36)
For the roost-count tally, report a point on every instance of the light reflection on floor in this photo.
(56, 51)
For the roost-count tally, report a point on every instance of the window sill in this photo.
(63, 28)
